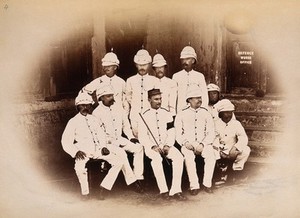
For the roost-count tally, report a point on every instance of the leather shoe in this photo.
(179, 197)
(101, 194)
(207, 190)
(194, 191)
(164, 196)
(137, 187)
(85, 197)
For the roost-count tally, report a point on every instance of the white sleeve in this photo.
(68, 138)
(128, 91)
(126, 126)
(204, 91)
(210, 130)
(180, 136)
(173, 98)
(242, 138)
(92, 86)
(170, 139)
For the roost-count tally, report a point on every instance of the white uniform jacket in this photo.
(194, 126)
(184, 80)
(118, 85)
(229, 135)
(213, 111)
(113, 120)
(137, 88)
(168, 87)
(160, 123)
(83, 133)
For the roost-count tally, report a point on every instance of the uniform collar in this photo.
(106, 77)
(103, 106)
(140, 76)
(163, 78)
(226, 124)
(195, 110)
(80, 116)
(154, 110)
(189, 71)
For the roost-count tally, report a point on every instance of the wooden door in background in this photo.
(243, 67)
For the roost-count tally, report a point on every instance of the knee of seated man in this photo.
(156, 159)
(247, 150)
(186, 152)
(177, 155)
(139, 148)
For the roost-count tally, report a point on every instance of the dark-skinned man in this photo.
(231, 141)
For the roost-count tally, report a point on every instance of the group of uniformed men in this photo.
(149, 115)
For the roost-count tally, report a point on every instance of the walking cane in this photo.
(154, 138)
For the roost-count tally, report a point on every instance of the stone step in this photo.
(253, 104)
(262, 149)
(263, 135)
(260, 160)
(268, 121)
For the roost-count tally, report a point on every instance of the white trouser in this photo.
(109, 179)
(157, 166)
(209, 165)
(126, 168)
(138, 156)
(241, 159)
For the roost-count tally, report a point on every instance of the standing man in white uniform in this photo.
(231, 139)
(83, 138)
(157, 134)
(137, 88)
(110, 64)
(213, 98)
(195, 134)
(187, 77)
(168, 87)
(114, 120)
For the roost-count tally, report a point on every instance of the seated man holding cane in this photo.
(157, 134)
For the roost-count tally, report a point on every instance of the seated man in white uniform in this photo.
(114, 121)
(157, 134)
(231, 140)
(83, 138)
(195, 134)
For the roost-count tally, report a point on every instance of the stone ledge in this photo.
(43, 106)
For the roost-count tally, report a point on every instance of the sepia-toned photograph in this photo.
(149, 108)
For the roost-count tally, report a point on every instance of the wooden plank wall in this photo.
(169, 34)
